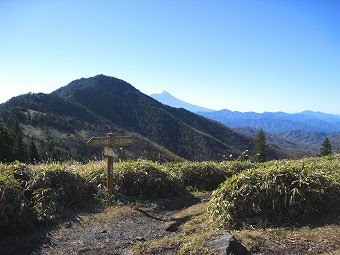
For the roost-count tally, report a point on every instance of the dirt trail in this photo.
(120, 229)
(114, 230)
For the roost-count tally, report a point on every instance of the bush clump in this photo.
(15, 211)
(146, 180)
(279, 192)
(38, 195)
(202, 176)
(54, 189)
(234, 167)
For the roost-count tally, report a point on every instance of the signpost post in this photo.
(108, 142)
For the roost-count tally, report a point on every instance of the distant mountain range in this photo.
(168, 99)
(273, 122)
(95, 106)
(302, 132)
(300, 142)
(276, 122)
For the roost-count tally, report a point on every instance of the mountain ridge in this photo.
(302, 133)
(98, 105)
(274, 122)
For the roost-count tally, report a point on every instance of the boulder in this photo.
(225, 243)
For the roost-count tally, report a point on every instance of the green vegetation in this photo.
(199, 176)
(13, 147)
(278, 192)
(326, 148)
(261, 147)
(146, 180)
(33, 195)
(39, 194)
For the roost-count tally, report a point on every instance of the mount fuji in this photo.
(168, 99)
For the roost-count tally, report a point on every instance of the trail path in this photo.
(114, 230)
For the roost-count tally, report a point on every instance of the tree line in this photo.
(13, 147)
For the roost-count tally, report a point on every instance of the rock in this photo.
(225, 243)
(140, 238)
(101, 190)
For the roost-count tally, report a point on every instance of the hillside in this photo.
(313, 139)
(98, 105)
(301, 143)
(299, 149)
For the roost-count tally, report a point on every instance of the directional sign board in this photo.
(108, 141)
(111, 141)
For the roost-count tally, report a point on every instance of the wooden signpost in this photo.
(108, 142)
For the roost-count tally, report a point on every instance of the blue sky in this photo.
(238, 55)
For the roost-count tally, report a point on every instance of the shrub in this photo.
(234, 167)
(199, 175)
(146, 180)
(95, 172)
(15, 213)
(56, 188)
(281, 192)
(37, 195)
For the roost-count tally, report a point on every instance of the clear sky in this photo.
(255, 55)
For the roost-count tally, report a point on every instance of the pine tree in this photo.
(19, 147)
(260, 147)
(33, 155)
(5, 143)
(326, 148)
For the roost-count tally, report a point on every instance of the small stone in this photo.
(140, 238)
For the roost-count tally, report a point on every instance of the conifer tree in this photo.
(33, 155)
(326, 148)
(260, 147)
(18, 146)
(5, 150)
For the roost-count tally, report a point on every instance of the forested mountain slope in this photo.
(98, 105)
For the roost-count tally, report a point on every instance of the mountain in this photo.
(299, 149)
(273, 122)
(313, 140)
(166, 98)
(276, 122)
(322, 116)
(95, 106)
(301, 133)
(301, 143)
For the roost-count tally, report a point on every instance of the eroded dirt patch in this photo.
(114, 230)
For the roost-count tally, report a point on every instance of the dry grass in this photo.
(192, 236)
(304, 240)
